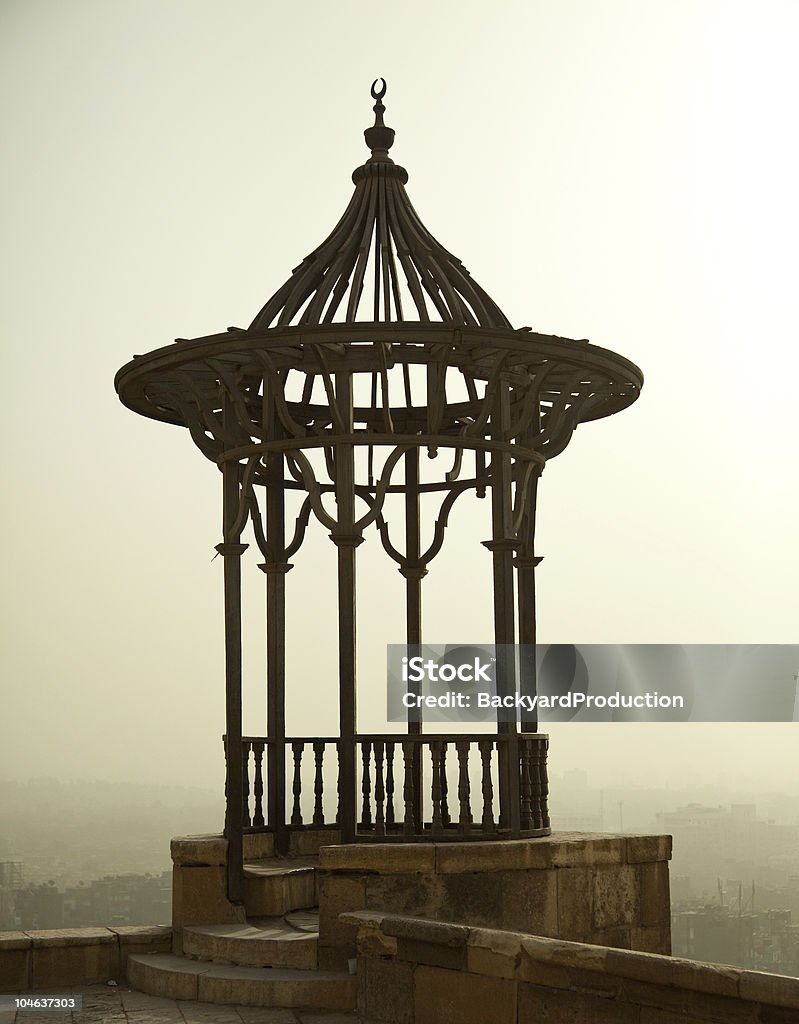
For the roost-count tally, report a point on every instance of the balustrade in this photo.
(456, 764)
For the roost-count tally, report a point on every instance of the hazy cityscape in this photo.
(734, 872)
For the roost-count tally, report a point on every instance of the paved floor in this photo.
(118, 1005)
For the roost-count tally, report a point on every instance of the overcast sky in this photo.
(619, 171)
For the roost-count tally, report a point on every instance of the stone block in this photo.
(431, 954)
(385, 990)
(507, 855)
(575, 903)
(555, 964)
(771, 989)
(655, 970)
(199, 896)
(540, 972)
(692, 1004)
(199, 851)
(587, 851)
(575, 955)
(529, 902)
(409, 894)
(561, 849)
(258, 845)
(717, 979)
(383, 858)
(643, 849)
(451, 997)
(475, 899)
(339, 893)
(555, 1006)
(777, 1015)
(495, 953)
(308, 842)
(655, 906)
(80, 956)
(443, 933)
(616, 898)
(15, 961)
(595, 983)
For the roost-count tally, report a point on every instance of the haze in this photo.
(624, 172)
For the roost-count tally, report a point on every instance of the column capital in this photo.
(413, 572)
(275, 568)
(231, 549)
(523, 562)
(346, 540)
(503, 544)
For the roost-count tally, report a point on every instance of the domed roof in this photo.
(380, 264)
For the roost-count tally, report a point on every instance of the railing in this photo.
(411, 787)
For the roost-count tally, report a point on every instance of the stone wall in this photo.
(604, 889)
(78, 956)
(413, 971)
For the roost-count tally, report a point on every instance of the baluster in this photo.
(258, 816)
(486, 749)
(542, 775)
(297, 747)
(525, 785)
(464, 786)
(408, 822)
(380, 793)
(535, 783)
(444, 787)
(436, 824)
(366, 784)
(318, 786)
(389, 784)
(338, 782)
(245, 784)
(224, 751)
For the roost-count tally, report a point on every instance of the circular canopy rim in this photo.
(133, 378)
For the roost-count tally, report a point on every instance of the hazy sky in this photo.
(619, 171)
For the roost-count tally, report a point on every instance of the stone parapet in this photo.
(611, 890)
(559, 850)
(73, 956)
(415, 971)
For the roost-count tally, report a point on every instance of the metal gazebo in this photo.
(378, 348)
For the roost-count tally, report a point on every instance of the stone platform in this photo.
(609, 890)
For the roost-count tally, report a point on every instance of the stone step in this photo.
(279, 885)
(175, 977)
(261, 942)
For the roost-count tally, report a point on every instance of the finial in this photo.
(379, 94)
(379, 138)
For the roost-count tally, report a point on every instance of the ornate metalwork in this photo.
(378, 350)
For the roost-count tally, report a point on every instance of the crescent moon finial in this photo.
(379, 137)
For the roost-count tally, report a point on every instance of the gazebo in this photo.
(379, 372)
